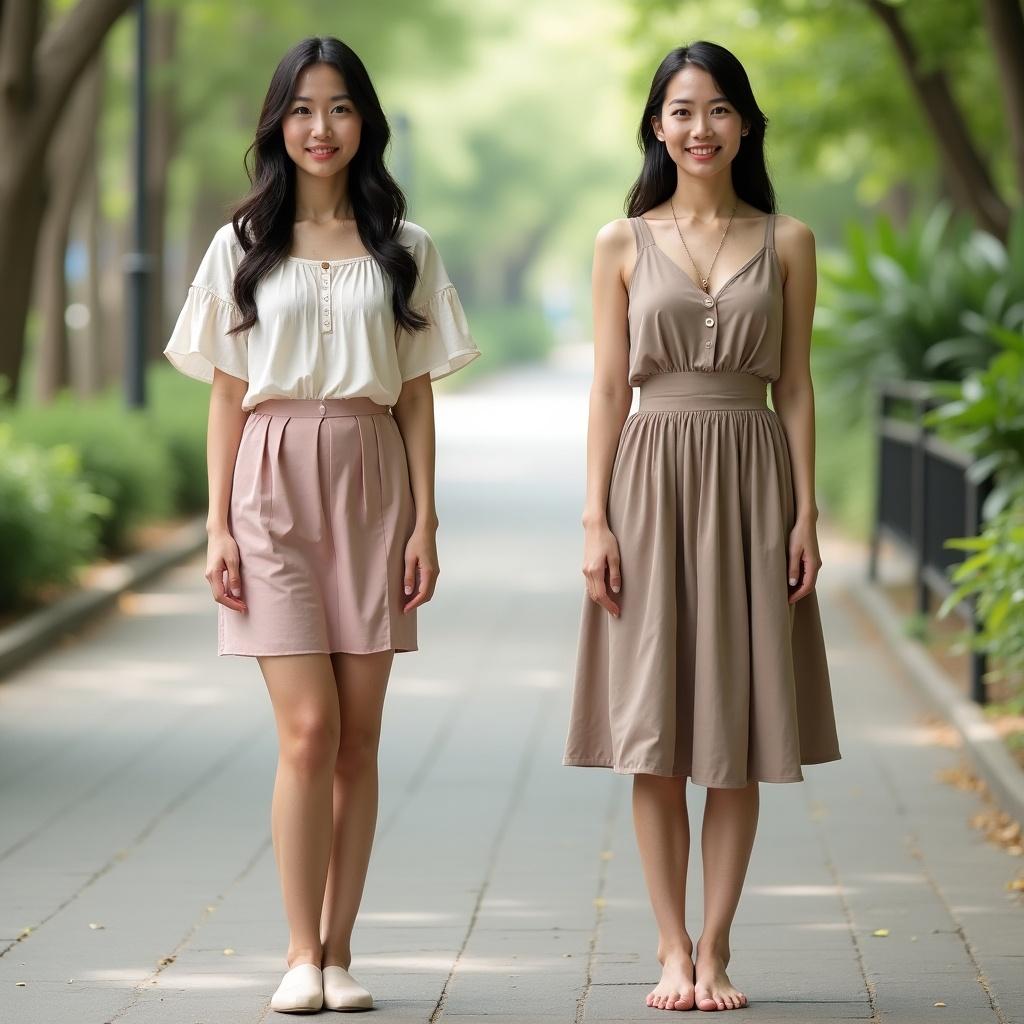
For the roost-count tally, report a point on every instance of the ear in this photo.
(656, 125)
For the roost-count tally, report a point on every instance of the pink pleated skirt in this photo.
(321, 510)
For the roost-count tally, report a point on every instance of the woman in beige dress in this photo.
(320, 316)
(701, 652)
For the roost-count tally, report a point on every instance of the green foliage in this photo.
(122, 457)
(985, 413)
(49, 518)
(917, 304)
(508, 335)
(993, 575)
(178, 412)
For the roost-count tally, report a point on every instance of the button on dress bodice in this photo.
(674, 325)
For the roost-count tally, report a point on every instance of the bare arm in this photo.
(223, 434)
(414, 414)
(610, 397)
(793, 395)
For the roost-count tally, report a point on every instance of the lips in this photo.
(322, 150)
(702, 150)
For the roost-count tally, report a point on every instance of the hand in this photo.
(804, 559)
(421, 560)
(601, 566)
(221, 557)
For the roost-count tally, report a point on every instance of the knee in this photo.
(311, 743)
(357, 753)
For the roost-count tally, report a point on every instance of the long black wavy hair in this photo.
(658, 176)
(264, 220)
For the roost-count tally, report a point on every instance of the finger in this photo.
(215, 577)
(409, 583)
(603, 599)
(225, 598)
(614, 575)
(794, 566)
(234, 579)
(426, 587)
(806, 584)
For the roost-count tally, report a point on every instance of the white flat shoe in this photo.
(343, 992)
(301, 990)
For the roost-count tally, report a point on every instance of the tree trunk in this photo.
(74, 141)
(92, 372)
(37, 76)
(162, 134)
(968, 176)
(1005, 22)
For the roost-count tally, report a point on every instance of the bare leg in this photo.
(305, 701)
(727, 838)
(663, 836)
(362, 681)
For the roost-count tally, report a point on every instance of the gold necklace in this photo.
(703, 280)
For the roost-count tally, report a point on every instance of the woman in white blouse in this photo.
(320, 315)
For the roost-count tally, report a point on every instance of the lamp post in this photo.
(138, 263)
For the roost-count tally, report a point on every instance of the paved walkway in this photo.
(137, 880)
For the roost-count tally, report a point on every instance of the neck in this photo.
(322, 200)
(704, 199)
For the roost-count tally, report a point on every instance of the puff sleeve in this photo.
(446, 345)
(200, 341)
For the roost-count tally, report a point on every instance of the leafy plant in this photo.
(985, 413)
(918, 304)
(994, 576)
(49, 518)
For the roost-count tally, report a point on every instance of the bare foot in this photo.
(714, 990)
(675, 990)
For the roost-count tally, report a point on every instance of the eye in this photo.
(720, 107)
(340, 106)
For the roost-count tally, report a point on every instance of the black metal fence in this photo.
(923, 498)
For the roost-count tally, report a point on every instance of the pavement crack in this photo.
(217, 766)
(611, 815)
(833, 870)
(186, 939)
(522, 775)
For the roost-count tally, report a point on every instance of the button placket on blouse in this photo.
(709, 338)
(325, 312)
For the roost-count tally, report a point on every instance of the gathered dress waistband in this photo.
(320, 407)
(703, 389)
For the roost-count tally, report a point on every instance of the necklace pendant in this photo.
(704, 283)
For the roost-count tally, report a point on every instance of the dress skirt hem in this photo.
(641, 769)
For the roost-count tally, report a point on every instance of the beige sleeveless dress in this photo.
(709, 672)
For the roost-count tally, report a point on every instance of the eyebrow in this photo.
(714, 99)
(309, 99)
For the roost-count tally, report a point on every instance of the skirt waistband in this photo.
(703, 389)
(320, 407)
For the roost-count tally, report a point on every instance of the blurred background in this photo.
(896, 131)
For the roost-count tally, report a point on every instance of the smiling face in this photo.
(699, 126)
(322, 126)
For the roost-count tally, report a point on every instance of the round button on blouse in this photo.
(709, 301)
(707, 344)
(326, 266)
(323, 408)
(709, 322)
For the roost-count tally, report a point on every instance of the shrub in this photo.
(49, 518)
(121, 457)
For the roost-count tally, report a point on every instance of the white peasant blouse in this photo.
(326, 329)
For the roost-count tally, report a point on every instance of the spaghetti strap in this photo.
(769, 232)
(641, 232)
